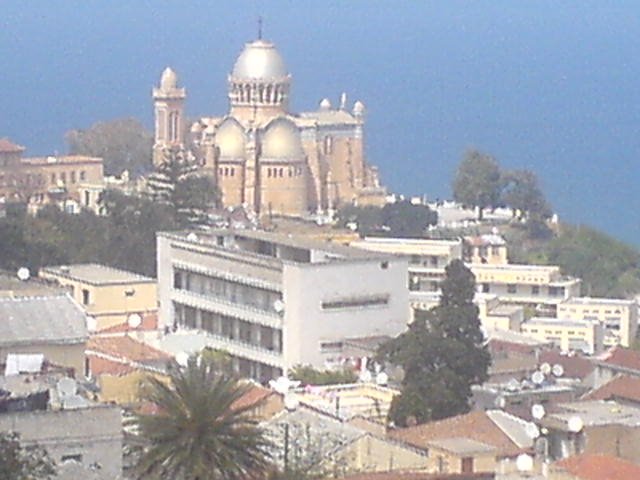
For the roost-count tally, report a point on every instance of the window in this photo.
(63, 177)
(375, 300)
(73, 177)
(53, 178)
(83, 175)
(467, 465)
(486, 288)
(331, 347)
(535, 290)
(85, 297)
(87, 197)
(177, 280)
(328, 145)
(512, 288)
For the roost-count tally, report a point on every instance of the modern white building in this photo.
(274, 301)
(569, 335)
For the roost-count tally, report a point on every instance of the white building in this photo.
(569, 335)
(274, 301)
(618, 317)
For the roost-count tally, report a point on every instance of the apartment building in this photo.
(273, 301)
(491, 249)
(526, 284)
(569, 335)
(108, 294)
(618, 317)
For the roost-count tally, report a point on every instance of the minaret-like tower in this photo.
(259, 84)
(168, 102)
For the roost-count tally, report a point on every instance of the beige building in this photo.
(461, 455)
(261, 154)
(491, 249)
(568, 335)
(497, 315)
(107, 294)
(618, 317)
(526, 284)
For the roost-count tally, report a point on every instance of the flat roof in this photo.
(560, 322)
(60, 159)
(96, 274)
(11, 286)
(598, 301)
(596, 412)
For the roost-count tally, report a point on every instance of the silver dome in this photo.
(259, 61)
(282, 141)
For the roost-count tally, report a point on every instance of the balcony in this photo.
(224, 307)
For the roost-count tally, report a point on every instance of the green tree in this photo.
(477, 181)
(521, 192)
(311, 376)
(177, 183)
(23, 463)
(198, 434)
(123, 144)
(442, 354)
(406, 220)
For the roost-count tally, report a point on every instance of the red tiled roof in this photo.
(622, 357)
(124, 347)
(7, 146)
(620, 387)
(101, 366)
(149, 322)
(255, 395)
(575, 366)
(474, 425)
(599, 467)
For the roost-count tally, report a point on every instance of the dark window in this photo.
(535, 290)
(83, 175)
(512, 288)
(85, 296)
(356, 302)
(177, 280)
(486, 288)
(76, 457)
(467, 465)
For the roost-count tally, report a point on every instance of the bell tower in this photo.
(168, 103)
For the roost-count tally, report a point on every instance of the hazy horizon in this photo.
(545, 86)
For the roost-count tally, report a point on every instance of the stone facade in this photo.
(261, 155)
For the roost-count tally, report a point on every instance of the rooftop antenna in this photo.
(260, 27)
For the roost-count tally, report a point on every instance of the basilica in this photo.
(263, 156)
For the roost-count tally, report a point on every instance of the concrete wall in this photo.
(307, 323)
(95, 433)
(71, 356)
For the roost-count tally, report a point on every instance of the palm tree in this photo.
(198, 433)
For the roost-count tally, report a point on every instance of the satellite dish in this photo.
(524, 463)
(537, 377)
(283, 384)
(500, 401)
(182, 359)
(92, 324)
(291, 402)
(134, 320)
(192, 237)
(537, 411)
(23, 274)
(575, 424)
(278, 306)
(67, 387)
(532, 431)
(415, 279)
(557, 370)
(513, 385)
(382, 378)
(545, 368)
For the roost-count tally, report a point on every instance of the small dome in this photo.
(259, 61)
(282, 140)
(168, 80)
(230, 139)
(358, 108)
(325, 104)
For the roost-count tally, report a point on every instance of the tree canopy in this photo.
(477, 181)
(521, 191)
(442, 354)
(398, 219)
(200, 432)
(23, 463)
(123, 144)
(311, 376)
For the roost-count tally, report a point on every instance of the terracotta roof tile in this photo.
(622, 357)
(575, 366)
(622, 387)
(149, 322)
(7, 146)
(254, 396)
(599, 467)
(474, 425)
(125, 347)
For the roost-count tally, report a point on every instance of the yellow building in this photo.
(109, 295)
(491, 249)
(618, 317)
(525, 284)
(461, 455)
(262, 155)
(568, 335)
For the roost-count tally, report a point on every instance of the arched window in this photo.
(328, 145)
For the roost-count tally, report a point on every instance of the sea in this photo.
(545, 85)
